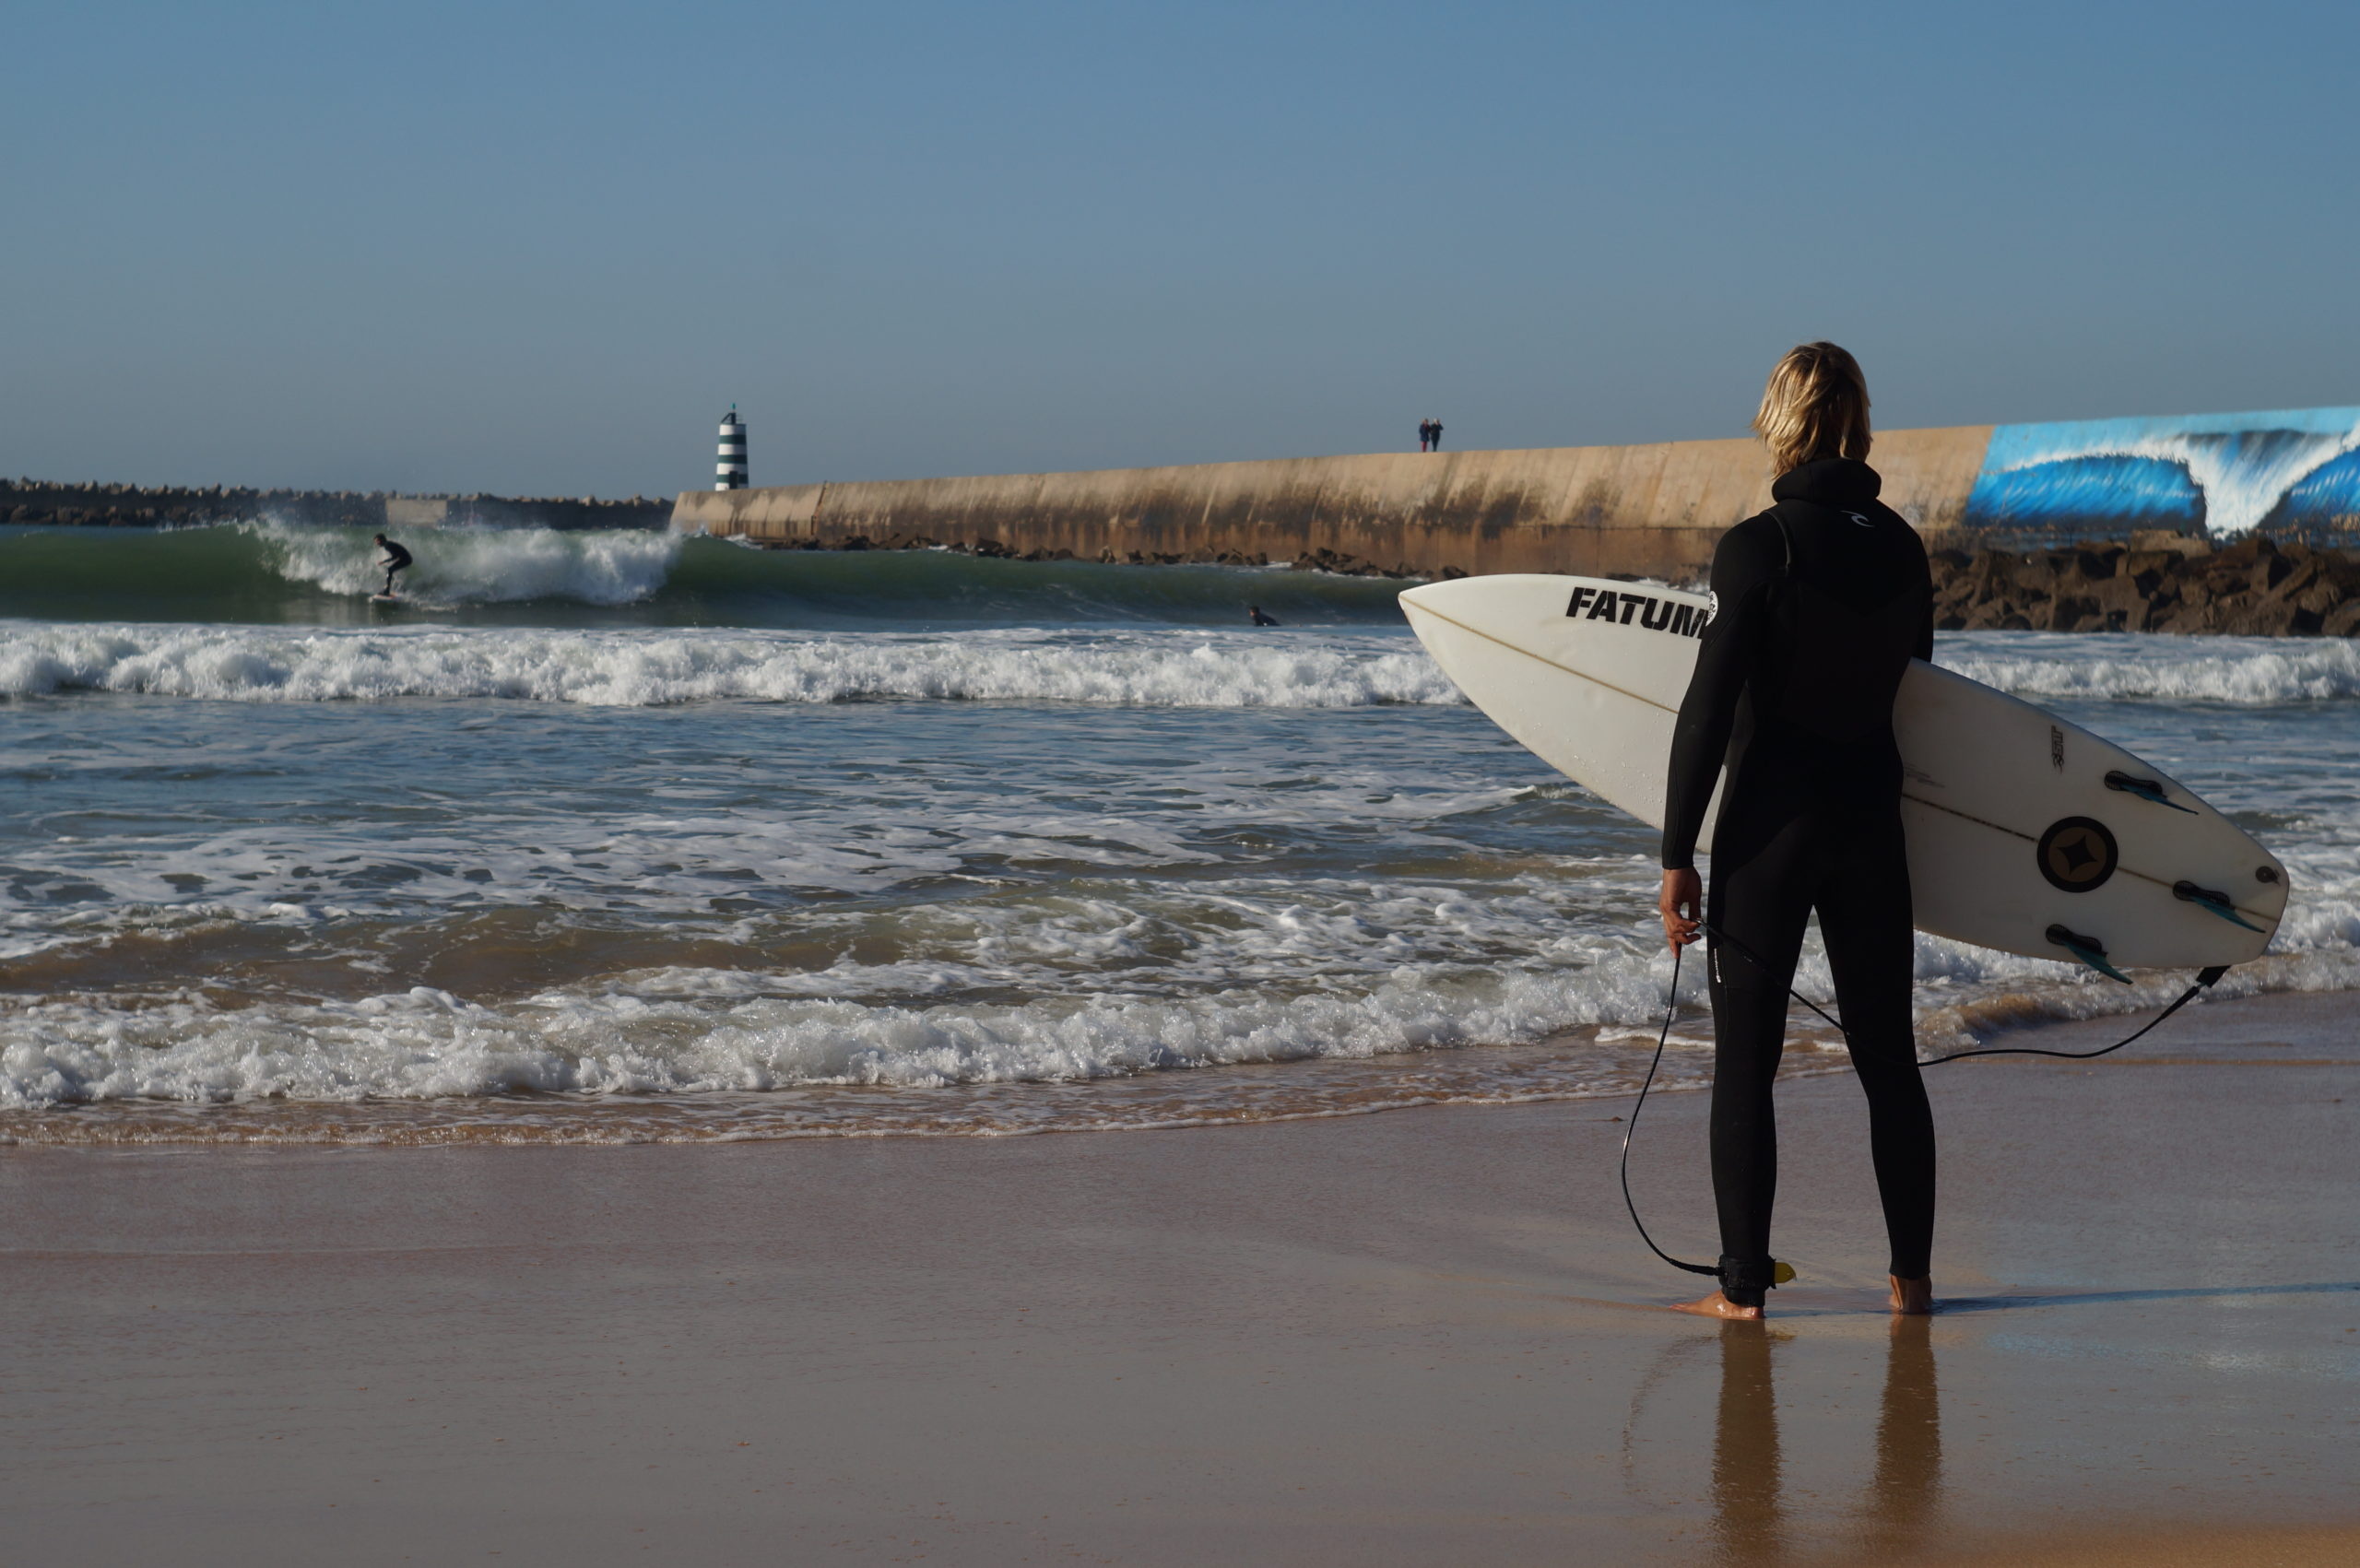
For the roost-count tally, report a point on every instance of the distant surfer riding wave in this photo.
(394, 558)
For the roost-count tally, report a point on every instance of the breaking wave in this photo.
(479, 565)
(637, 668)
(426, 1044)
(1161, 667)
(275, 573)
(695, 1054)
(2239, 671)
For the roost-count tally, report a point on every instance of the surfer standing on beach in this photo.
(393, 558)
(1818, 606)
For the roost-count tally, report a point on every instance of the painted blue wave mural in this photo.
(2330, 493)
(2294, 471)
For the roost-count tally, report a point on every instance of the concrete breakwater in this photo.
(2161, 579)
(89, 505)
(2253, 587)
(1650, 510)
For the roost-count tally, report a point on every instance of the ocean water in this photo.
(618, 837)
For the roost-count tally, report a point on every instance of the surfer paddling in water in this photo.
(1818, 606)
(393, 558)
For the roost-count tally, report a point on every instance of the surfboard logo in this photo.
(1617, 608)
(2078, 853)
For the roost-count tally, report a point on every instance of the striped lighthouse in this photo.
(729, 467)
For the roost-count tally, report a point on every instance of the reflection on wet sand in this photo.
(1896, 1515)
(1905, 1492)
(1748, 1521)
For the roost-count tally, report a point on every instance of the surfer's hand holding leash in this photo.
(1681, 905)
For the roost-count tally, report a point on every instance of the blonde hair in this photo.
(1816, 406)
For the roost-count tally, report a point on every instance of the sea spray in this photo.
(459, 566)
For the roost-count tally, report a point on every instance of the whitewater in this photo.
(616, 837)
(1193, 668)
(1186, 669)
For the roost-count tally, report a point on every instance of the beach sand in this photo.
(1424, 1336)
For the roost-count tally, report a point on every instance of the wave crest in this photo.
(268, 571)
(2242, 671)
(650, 669)
(479, 565)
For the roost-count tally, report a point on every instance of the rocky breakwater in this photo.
(1327, 561)
(42, 503)
(2253, 588)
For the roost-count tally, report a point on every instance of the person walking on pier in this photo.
(1433, 435)
(1425, 435)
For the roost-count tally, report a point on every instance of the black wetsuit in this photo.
(1819, 604)
(393, 559)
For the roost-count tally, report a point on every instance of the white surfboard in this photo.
(2017, 839)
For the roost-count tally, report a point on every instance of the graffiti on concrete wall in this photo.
(2291, 472)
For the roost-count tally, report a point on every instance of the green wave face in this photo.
(266, 572)
(143, 575)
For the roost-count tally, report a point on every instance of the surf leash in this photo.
(1779, 1272)
(2205, 980)
(1631, 1131)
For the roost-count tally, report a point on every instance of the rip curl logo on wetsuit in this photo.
(1643, 610)
(2077, 853)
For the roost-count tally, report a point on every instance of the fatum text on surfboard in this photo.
(1655, 615)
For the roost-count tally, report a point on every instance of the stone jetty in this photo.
(2252, 587)
(48, 503)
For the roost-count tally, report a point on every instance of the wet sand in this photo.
(1417, 1338)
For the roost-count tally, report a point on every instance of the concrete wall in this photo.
(1650, 510)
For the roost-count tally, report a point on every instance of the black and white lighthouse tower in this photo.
(729, 467)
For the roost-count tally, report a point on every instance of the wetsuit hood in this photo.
(1830, 481)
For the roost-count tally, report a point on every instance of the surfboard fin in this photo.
(2145, 789)
(2212, 902)
(2089, 949)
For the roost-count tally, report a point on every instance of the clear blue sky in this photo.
(537, 248)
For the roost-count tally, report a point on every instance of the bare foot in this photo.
(1719, 1305)
(1912, 1298)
